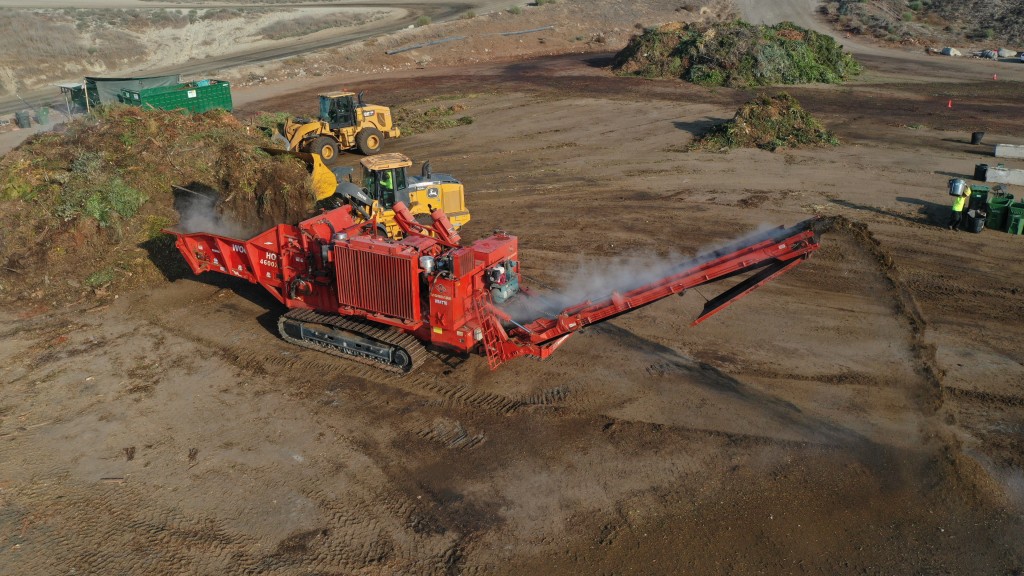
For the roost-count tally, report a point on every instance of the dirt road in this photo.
(864, 414)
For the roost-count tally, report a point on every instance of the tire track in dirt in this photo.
(302, 363)
(100, 529)
(1000, 400)
(730, 439)
(451, 434)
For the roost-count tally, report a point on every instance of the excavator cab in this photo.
(386, 180)
(338, 110)
(381, 182)
(384, 183)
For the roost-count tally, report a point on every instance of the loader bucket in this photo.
(325, 180)
(281, 141)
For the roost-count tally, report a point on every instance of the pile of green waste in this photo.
(736, 54)
(769, 123)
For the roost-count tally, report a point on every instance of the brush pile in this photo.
(769, 123)
(81, 208)
(736, 54)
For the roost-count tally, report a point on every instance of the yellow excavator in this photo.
(383, 183)
(344, 123)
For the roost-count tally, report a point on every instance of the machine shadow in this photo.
(930, 212)
(954, 174)
(934, 212)
(775, 407)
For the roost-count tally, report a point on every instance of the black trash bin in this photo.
(976, 137)
(976, 220)
(981, 172)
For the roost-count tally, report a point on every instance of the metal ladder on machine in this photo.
(491, 337)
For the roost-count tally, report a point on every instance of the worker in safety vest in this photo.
(385, 181)
(959, 203)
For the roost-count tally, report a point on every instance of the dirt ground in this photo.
(864, 414)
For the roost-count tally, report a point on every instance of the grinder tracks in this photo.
(389, 337)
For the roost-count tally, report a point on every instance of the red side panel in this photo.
(379, 277)
(260, 259)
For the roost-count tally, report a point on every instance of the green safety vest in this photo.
(958, 204)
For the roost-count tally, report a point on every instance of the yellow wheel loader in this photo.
(386, 182)
(344, 123)
(383, 183)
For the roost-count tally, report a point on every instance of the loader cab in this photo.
(384, 176)
(338, 109)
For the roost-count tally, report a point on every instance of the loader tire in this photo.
(326, 147)
(369, 140)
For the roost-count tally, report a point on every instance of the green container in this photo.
(1015, 218)
(23, 119)
(43, 116)
(1001, 201)
(195, 97)
(979, 197)
(996, 219)
(1015, 224)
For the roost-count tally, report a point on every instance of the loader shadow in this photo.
(698, 127)
(775, 407)
(602, 61)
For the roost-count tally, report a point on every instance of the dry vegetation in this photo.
(45, 45)
(768, 123)
(414, 119)
(86, 205)
(55, 42)
(104, 188)
(931, 21)
(304, 25)
(736, 54)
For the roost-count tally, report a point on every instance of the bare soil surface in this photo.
(862, 414)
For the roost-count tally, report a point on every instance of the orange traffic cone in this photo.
(995, 77)
(950, 104)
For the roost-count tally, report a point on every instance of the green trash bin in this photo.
(996, 219)
(979, 197)
(23, 119)
(998, 208)
(1015, 218)
(43, 116)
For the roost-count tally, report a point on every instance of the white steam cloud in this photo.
(596, 280)
(198, 211)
